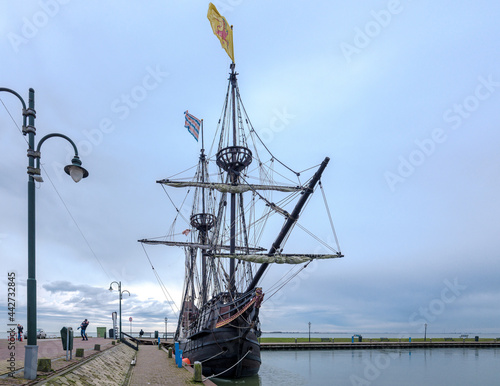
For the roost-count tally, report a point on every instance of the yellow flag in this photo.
(221, 29)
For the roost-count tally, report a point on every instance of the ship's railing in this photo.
(152, 334)
(230, 308)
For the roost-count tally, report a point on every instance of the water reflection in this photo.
(248, 381)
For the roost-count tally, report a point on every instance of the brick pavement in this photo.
(154, 367)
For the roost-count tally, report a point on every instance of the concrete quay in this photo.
(47, 348)
(110, 366)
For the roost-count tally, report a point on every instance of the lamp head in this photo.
(75, 170)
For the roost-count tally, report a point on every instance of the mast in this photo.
(192, 252)
(234, 178)
(292, 218)
(233, 159)
(203, 222)
(203, 233)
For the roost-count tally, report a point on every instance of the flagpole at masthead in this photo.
(202, 143)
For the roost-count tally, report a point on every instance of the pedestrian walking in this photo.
(83, 328)
(19, 333)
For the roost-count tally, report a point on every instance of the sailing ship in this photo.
(225, 261)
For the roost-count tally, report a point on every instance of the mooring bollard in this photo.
(170, 352)
(44, 364)
(113, 342)
(79, 352)
(97, 347)
(197, 372)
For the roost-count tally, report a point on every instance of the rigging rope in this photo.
(59, 195)
(252, 130)
(176, 174)
(277, 283)
(312, 167)
(329, 216)
(173, 204)
(76, 224)
(162, 286)
(317, 238)
(286, 282)
(13, 120)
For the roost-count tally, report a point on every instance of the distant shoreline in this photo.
(375, 335)
(381, 332)
(336, 335)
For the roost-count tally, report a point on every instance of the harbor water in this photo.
(437, 366)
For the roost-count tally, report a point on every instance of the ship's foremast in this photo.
(202, 222)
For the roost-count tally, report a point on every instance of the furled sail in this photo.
(198, 245)
(279, 259)
(228, 188)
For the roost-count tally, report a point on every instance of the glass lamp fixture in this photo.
(75, 170)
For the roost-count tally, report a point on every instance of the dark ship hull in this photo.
(225, 338)
(224, 352)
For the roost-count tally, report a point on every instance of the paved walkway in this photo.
(154, 367)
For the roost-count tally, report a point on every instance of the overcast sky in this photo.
(401, 95)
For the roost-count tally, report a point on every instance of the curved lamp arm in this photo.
(26, 112)
(75, 170)
(111, 285)
(126, 292)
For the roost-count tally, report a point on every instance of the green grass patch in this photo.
(344, 340)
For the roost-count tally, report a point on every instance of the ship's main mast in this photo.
(233, 160)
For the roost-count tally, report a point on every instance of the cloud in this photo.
(400, 247)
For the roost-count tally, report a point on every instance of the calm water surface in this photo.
(377, 367)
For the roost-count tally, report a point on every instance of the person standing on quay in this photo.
(83, 327)
(19, 333)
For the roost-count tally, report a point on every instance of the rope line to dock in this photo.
(216, 355)
(216, 375)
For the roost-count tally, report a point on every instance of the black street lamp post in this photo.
(119, 283)
(76, 172)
